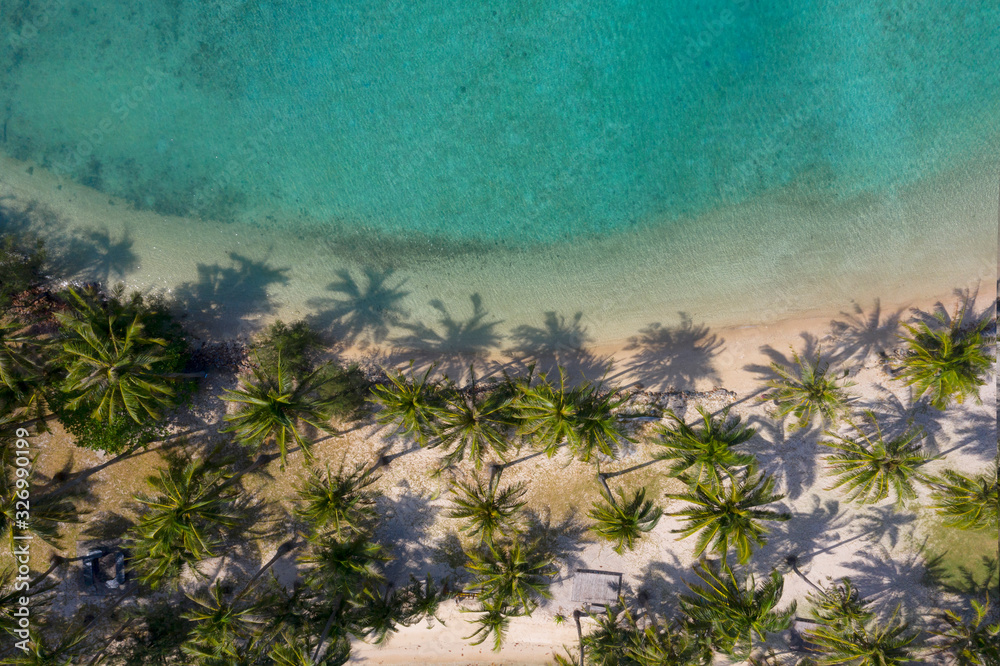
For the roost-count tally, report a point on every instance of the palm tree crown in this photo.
(968, 503)
(412, 405)
(700, 454)
(728, 516)
(808, 391)
(111, 366)
(871, 467)
(734, 610)
(949, 363)
(340, 500)
(274, 407)
(472, 425)
(489, 510)
(623, 521)
(515, 573)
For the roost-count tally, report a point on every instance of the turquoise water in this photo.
(515, 123)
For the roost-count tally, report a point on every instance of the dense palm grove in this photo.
(112, 368)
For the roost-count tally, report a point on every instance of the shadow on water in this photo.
(673, 357)
(103, 256)
(360, 314)
(224, 294)
(452, 343)
(558, 342)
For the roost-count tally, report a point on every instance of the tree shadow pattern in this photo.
(361, 313)
(673, 357)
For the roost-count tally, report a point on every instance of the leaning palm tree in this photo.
(516, 574)
(340, 501)
(472, 425)
(949, 362)
(700, 454)
(870, 467)
(866, 643)
(807, 391)
(734, 610)
(111, 366)
(972, 643)
(551, 414)
(625, 520)
(968, 503)
(274, 408)
(182, 520)
(412, 405)
(729, 515)
(220, 627)
(489, 510)
(493, 620)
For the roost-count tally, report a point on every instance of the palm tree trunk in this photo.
(579, 633)
(283, 550)
(326, 631)
(607, 491)
(496, 470)
(114, 637)
(793, 562)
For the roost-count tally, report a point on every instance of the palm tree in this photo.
(472, 425)
(298, 649)
(494, 619)
(488, 509)
(728, 515)
(47, 511)
(111, 366)
(735, 610)
(221, 628)
(623, 521)
(423, 598)
(949, 363)
(341, 500)
(699, 454)
(871, 467)
(807, 391)
(274, 407)
(515, 574)
(21, 372)
(552, 415)
(968, 503)
(865, 643)
(669, 644)
(65, 652)
(183, 519)
(381, 613)
(344, 568)
(610, 642)
(412, 405)
(972, 643)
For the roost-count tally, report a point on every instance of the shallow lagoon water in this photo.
(733, 160)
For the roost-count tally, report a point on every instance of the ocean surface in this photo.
(733, 160)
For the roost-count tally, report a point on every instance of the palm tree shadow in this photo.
(453, 344)
(661, 582)
(964, 316)
(673, 357)
(110, 258)
(563, 541)
(224, 294)
(808, 533)
(409, 514)
(859, 336)
(896, 416)
(811, 350)
(798, 471)
(558, 342)
(361, 314)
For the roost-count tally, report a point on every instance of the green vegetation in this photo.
(22, 259)
(728, 516)
(705, 454)
(948, 362)
(968, 503)
(808, 391)
(489, 511)
(871, 467)
(625, 520)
